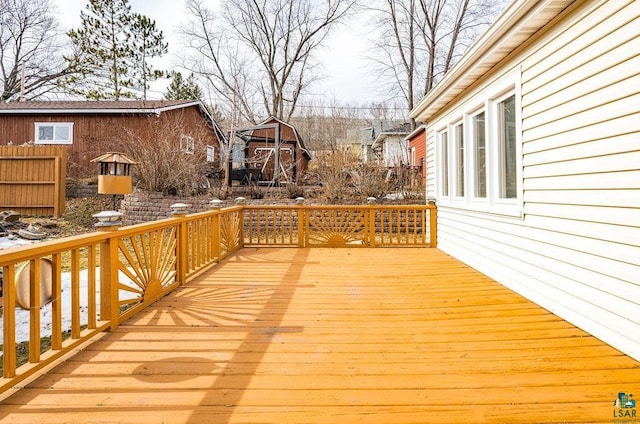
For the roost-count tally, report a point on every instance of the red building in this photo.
(418, 152)
(88, 128)
(272, 144)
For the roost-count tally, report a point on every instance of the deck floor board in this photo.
(340, 336)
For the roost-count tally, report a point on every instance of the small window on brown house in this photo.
(53, 133)
(187, 144)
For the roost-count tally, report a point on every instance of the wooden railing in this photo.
(110, 275)
(352, 226)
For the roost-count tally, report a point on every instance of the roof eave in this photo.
(493, 46)
(415, 132)
(86, 111)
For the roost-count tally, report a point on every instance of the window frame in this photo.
(473, 155)
(513, 205)
(487, 100)
(500, 136)
(458, 169)
(210, 153)
(54, 125)
(443, 163)
(412, 157)
(187, 144)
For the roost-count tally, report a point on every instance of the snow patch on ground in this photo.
(22, 316)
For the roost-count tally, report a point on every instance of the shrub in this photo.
(336, 172)
(171, 156)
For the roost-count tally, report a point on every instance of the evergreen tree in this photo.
(181, 89)
(112, 48)
(148, 44)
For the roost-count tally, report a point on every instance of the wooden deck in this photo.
(335, 336)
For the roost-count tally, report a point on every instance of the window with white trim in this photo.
(479, 155)
(187, 144)
(483, 151)
(211, 153)
(53, 133)
(444, 163)
(458, 133)
(507, 147)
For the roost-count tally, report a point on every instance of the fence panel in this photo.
(32, 179)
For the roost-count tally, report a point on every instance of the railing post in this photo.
(109, 299)
(179, 211)
(240, 201)
(216, 204)
(9, 322)
(34, 311)
(371, 201)
(301, 221)
(433, 222)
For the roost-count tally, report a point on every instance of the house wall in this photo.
(261, 155)
(289, 143)
(95, 134)
(395, 151)
(419, 142)
(575, 246)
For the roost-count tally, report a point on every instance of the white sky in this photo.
(345, 68)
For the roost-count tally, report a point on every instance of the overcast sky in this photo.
(347, 78)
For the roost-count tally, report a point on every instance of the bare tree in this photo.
(261, 52)
(30, 49)
(420, 40)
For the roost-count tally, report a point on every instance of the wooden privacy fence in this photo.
(110, 275)
(32, 179)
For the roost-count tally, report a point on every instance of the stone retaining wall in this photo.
(141, 206)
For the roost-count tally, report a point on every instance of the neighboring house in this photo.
(354, 141)
(387, 145)
(536, 135)
(390, 146)
(418, 153)
(270, 142)
(86, 127)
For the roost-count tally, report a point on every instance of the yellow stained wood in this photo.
(340, 336)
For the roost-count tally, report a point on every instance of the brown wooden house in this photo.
(90, 128)
(272, 142)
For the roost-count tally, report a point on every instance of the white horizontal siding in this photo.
(568, 107)
(582, 39)
(609, 197)
(576, 251)
(598, 181)
(629, 123)
(587, 149)
(599, 75)
(593, 114)
(626, 217)
(625, 161)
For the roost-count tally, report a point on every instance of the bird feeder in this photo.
(115, 173)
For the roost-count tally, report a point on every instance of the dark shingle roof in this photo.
(98, 106)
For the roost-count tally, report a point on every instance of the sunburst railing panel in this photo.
(231, 231)
(147, 266)
(337, 226)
